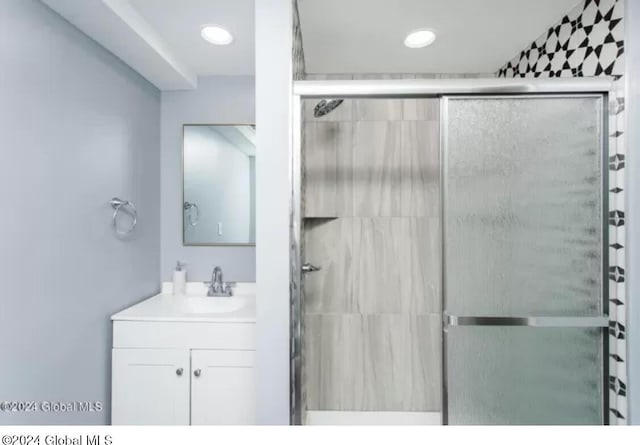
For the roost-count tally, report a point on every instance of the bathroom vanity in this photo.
(185, 360)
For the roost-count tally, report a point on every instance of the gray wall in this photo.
(78, 127)
(218, 100)
(632, 76)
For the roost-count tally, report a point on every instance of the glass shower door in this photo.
(523, 242)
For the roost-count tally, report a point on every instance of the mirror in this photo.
(219, 185)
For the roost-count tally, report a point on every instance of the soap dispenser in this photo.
(179, 279)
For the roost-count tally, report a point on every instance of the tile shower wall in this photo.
(372, 314)
(298, 50)
(587, 42)
(297, 389)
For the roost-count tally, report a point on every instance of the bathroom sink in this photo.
(213, 305)
(195, 306)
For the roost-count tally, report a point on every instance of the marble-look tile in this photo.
(376, 169)
(377, 274)
(423, 76)
(420, 164)
(374, 362)
(420, 250)
(396, 266)
(334, 364)
(377, 109)
(402, 362)
(321, 166)
(345, 175)
(328, 244)
(332, 76)
(421, 109)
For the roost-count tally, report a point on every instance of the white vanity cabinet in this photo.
(182, 368)
(150, 387)
(223, 387)
(183, 387)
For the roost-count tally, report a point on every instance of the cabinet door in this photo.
(150, 387)
(223, 388)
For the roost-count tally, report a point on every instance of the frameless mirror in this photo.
(219, 187)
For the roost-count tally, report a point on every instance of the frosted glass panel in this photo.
(523, 209)
(522, 375)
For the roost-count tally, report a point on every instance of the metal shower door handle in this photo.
(539, 322)
(308, 267)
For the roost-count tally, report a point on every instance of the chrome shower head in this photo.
(326, 106)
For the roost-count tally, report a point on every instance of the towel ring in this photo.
(189, 206)
(118, 204)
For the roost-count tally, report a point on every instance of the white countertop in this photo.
(195, 306)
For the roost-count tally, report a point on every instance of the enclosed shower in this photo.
(451, 250)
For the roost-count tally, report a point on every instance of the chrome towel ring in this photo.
(189, 207)
(119, 204)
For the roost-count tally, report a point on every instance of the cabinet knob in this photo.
(197, 372)
(179, 371)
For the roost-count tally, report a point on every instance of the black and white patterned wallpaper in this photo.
(589, 42)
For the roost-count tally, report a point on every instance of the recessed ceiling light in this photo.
(420, 38)
(216, 34)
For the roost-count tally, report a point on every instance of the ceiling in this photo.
(473, 36)
(161, 38)
(179, 24)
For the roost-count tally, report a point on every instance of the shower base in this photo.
(373, 418)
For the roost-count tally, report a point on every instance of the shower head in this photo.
(326, 106)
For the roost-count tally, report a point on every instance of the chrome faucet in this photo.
(217, 286)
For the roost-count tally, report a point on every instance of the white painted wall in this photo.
(274, 134)
(218, 179)
(78, 127)
(217, 100)
(632, 190)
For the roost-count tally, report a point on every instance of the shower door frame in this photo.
(405, 89)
